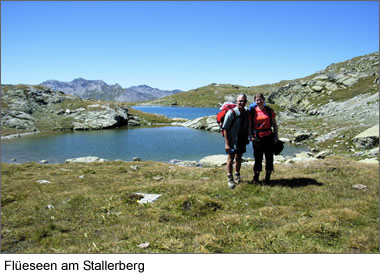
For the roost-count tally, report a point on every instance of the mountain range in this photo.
(99, 90)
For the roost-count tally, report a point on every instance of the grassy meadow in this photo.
(92, 208)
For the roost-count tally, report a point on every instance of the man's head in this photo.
(241, 100)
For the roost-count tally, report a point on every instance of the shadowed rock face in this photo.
(367, 139)
(99, 90)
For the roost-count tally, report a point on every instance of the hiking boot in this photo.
(237, 178)
(255, 179)
(231, 183)
(267, 178)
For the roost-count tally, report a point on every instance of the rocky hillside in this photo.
(38, 108)
(325, 111)
(99, 90)
(338, 82)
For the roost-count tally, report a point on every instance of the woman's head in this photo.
(259, 95)
(260, 100)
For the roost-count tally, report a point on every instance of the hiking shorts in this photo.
(240, 149)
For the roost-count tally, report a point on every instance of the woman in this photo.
(261, 119)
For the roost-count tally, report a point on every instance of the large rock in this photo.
(18, 120)
(88, 159)
(350, 82)
(369, 161)
(207, 123)
(317, 88)
(99, 119)
(301, 136)
(219, 160)
(368, 138)
(215, 160)
(360, 107)
(323, 154)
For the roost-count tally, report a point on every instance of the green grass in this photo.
(212, 95)
(310, 208)
(150, 118)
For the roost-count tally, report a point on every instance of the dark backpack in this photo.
(223, 111)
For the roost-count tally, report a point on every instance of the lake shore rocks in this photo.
(207, 123)
(87, 159)
(19, 135)
(215, 160)
(219, 160)
(107, 117)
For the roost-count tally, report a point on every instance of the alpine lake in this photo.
(158, 144)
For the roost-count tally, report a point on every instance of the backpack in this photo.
(227, 106)
(251, 111)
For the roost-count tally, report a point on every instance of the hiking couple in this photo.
(241, 126)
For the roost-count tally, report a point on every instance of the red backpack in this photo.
(223, 111)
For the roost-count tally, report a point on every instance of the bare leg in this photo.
(238, 162)
(230, 161)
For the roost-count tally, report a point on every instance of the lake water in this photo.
(179, 112)
(158, 144)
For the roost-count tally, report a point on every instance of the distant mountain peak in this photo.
(98, 89)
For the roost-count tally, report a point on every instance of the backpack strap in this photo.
(233, 120)
(270, 111)
(233, 116)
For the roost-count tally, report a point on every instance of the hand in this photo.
(227, 148)
(275, 139)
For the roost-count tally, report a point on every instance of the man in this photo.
(235, 128)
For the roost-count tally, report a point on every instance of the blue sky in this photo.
(181, 45)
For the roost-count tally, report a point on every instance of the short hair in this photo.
(261, 96)
(243, 95)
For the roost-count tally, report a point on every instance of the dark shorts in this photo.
(241, 148)
(237, 151)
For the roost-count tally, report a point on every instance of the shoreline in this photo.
(217, 160)
(10, 136)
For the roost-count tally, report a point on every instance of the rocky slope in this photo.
(36, 108)
(99, 90)
(338, 82)
(326, 111)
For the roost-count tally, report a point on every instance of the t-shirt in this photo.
(262, 121)
(237, 126)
